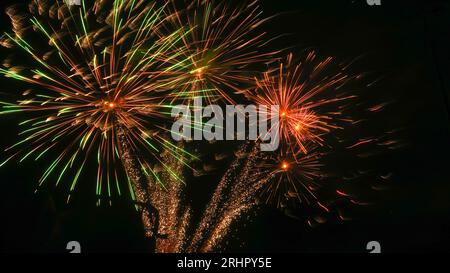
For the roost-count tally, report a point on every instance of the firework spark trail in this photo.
(216, 205)
(140, 184)
(174, 214)
(233, 198)
(177, 232)
(240, 203)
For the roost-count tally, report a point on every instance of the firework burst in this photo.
(310, 100)
(222, 45)
(290, 176)
(98, 79)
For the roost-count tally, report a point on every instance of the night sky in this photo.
(406, 46)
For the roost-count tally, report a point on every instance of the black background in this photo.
(406, 43)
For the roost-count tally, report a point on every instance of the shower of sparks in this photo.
(99, 77)
(174, 213)
(233, 198)
(223, 46)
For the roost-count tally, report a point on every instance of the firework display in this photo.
(97, 84)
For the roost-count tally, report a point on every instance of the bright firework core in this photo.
(198, 72)
(284, 166)
(110, 105)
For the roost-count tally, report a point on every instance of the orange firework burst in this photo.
(310, 100)
(220, 46)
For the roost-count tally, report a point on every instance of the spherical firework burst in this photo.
(220, 46)
(309, 96)
(98, 78)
